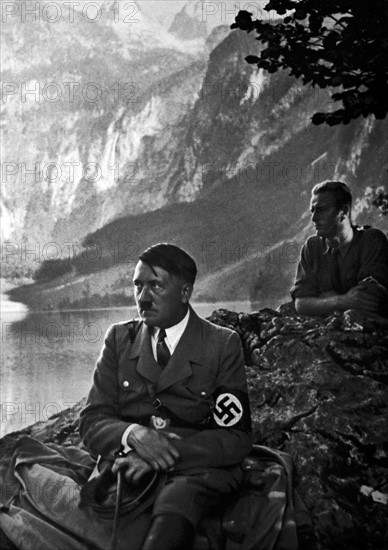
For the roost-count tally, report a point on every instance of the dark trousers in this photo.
(195, 496)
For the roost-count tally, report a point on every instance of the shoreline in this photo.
(29, 296)
(217, 305)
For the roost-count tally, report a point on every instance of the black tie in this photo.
(162, 352)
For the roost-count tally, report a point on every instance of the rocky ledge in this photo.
(318, 390)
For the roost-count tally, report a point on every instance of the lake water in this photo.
(48, 358)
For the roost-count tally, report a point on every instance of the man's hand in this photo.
(135, 467)
(374, 288)
(154, 447)
(367, 296)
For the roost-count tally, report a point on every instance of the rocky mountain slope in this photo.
(188, 144)
(68, 85)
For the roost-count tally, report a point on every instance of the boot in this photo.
(169, 532)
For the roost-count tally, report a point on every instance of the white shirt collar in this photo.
(174, 333)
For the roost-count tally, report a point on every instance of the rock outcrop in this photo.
(318, 390)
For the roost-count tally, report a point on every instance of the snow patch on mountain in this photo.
(257, 81)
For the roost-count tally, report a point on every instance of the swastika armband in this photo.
(231, 409)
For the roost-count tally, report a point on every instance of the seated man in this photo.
(174, 397)
(343, 266)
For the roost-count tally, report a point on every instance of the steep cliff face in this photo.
(71, 88)
(135, 156)
(129, 119)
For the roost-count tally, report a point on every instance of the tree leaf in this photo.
(343, 43)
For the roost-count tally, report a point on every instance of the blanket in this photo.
(40, 496)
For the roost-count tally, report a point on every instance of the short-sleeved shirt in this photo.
(365, 255)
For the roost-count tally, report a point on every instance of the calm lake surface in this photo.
(48, 358)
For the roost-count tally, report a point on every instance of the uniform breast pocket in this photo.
(202, 390)
(132, 386)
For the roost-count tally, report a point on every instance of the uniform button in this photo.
(203, 393)
(125, 383)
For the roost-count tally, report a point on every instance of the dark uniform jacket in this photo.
(202, 391)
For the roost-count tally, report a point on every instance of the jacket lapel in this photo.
(188, 351)
(141, 354)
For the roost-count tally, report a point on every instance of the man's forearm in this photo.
(101, 434)
(320, 306)
(364, 297)
(205, 448)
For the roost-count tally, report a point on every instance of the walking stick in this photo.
(119, 494)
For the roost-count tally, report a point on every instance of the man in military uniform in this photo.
(170, 390)
(343, 266)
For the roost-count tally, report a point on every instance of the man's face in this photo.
(161, 298)
(325, 215)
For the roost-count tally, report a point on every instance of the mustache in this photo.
(145, 305)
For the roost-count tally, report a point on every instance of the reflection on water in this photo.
(12, 311)
(48, 358)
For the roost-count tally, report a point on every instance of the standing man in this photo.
(343, 266)
(173, 396)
